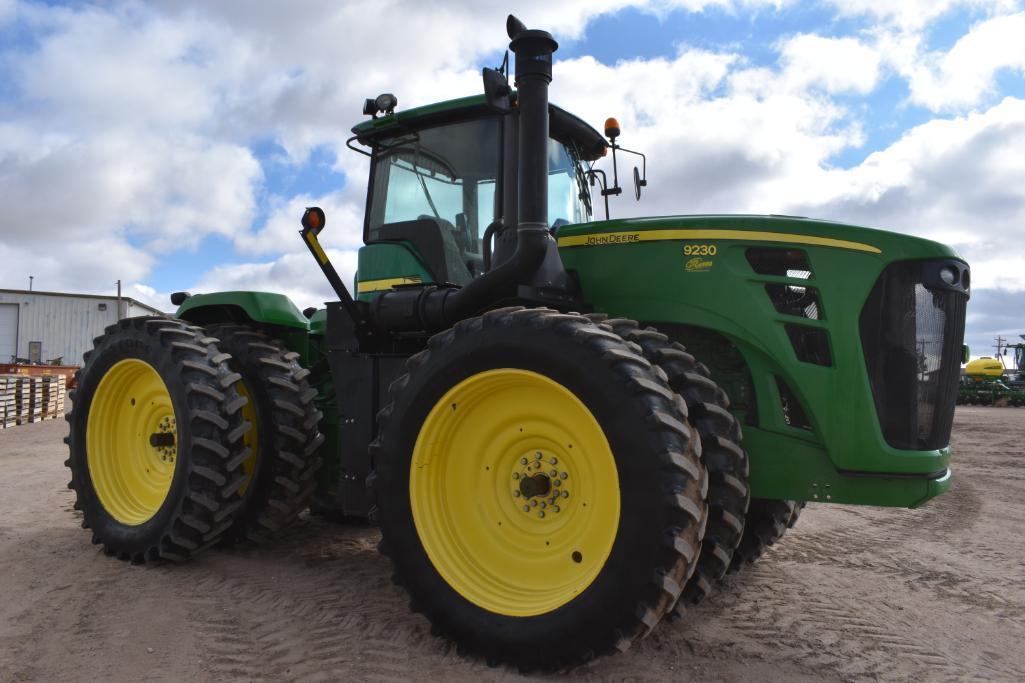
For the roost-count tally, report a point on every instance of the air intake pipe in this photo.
(432, 309)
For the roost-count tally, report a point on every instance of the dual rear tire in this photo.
(177, 443)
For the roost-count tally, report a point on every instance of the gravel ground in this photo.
(851, 593)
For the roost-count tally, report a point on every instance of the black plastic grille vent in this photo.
(779, 262)
(810, 344)
(802, 302)
(912, 328)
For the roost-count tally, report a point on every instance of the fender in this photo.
(262, 308)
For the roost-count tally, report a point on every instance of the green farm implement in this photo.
(565, 427)
(987, 381)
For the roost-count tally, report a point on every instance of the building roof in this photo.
(77, 295)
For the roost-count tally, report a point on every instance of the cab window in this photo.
(566, 202)
(435, 189)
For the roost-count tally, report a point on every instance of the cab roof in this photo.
(564, 126)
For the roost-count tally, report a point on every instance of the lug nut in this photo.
(564, 475)
(523, 461)
(565, 494)
(554, 473)
(526, 508)
(557, 482)
(554, 461)
(516, 494)
(537, 456)
(541, 513)
(555, 508)
(516, 475)
(543, 505)
(533, 503)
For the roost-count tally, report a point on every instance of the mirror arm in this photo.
(592, 175)
(644, 165)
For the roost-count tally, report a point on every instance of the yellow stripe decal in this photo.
(609, 238)
(379, 285)
(317, 249)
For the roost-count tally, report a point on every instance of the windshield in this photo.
(567, 196)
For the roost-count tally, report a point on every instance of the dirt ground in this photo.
(850, 593)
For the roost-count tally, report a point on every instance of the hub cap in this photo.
(131, 441)
(514, 492)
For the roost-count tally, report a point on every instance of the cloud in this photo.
(294, 275)
(834, 64)
(958, 180)
(962, 76)
(915, 14)
(127, 130)
(993, 312)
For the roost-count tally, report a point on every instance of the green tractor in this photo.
(566, 428)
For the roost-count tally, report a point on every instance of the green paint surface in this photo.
(656, 282)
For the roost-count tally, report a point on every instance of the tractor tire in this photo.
(766, 522)
(721, 452)
(518, 563)
(156, 440)
(284, 440)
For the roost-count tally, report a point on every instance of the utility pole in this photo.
(119, 300)
(1000, 344)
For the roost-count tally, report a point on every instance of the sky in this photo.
(174, 144)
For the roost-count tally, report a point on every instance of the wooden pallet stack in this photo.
(10, 387)
(25, 398)
(54, 390)
(35, 401)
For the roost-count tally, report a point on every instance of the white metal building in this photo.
(43, 326)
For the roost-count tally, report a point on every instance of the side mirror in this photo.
(497, 90)
(965, 354)
(314, 219)
(638, 184)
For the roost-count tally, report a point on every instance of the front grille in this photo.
(912, 328)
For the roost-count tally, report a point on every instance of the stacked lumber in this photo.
(54, 389)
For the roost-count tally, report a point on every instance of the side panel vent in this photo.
(793, 412)
(802, 302)
(780, 262)
(810, 344)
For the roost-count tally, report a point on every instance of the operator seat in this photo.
(435, 243)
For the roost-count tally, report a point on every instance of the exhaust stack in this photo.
(432, 309)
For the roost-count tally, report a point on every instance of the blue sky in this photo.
(175, 144)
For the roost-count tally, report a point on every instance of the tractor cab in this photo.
(442, 190)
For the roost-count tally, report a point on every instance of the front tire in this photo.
(156, 440)
(721, 452)
(495, 554)
(766, 522)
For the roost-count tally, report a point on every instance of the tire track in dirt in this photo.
(319, 605)
(812, 620)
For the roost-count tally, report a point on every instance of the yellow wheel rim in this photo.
(514, 492)
(131, 441)
(251, 438)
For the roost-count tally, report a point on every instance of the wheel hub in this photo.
(164, 440)
(541, 484)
